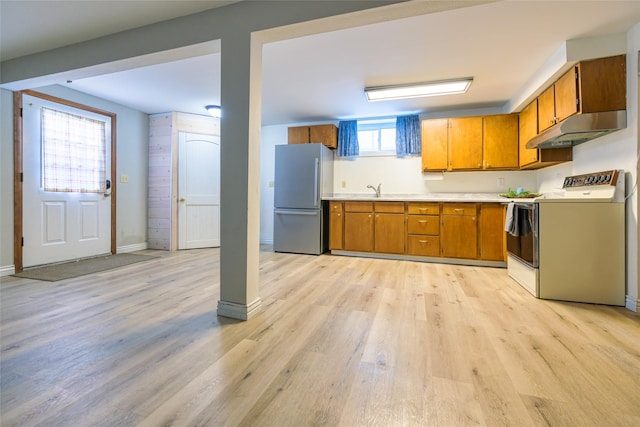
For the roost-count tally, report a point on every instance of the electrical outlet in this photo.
(344, 184)
(500, 182)
(271, 184)
(124, 178)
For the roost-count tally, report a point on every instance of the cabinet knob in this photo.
(423, 221)
(369, 215)
(339, 214)
(488, 165)
(182, 199)
(479, 165)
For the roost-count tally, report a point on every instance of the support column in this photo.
(241, 92)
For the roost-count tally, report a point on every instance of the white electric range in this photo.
(573, 244)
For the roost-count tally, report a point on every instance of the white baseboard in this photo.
(132, 248)
(7, 270)
(632, 303)
(239, 311)
(266, 242)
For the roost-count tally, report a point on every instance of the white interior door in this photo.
(198, 191)
(64, 223)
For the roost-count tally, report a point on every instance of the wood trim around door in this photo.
(18, 169)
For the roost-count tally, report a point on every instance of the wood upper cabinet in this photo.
(532, 158)
(298, 135)
(358, 226)
(325, 134)
(558, 101)
(389, 227)
(491, 234)
(500, 141)
(470, 143)
(336, 226)
(465, 143)
(528, 128)
(591, 86)
(435, 155)
(459, 231)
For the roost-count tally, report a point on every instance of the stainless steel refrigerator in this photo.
(303, 176)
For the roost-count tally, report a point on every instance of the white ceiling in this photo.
(502, 45)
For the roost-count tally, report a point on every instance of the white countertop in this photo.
(429, 197)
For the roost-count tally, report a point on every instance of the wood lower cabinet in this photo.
(491, 234)
(358, 226)
(459, 231)
(472, 231)
(423, 229)
(389, 227)
(336, 226)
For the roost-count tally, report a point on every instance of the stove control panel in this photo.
(590, 179)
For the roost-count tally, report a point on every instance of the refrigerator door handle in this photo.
(294, 212)
(315, 183)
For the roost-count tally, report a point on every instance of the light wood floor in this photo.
(340, 341)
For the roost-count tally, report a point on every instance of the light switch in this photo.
(124, 178)
(500, 182)
(271, 184)
(344, 184)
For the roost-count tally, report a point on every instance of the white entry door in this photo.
(198, 191)
(66, 203)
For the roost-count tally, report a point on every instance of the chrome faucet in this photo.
(377, 190)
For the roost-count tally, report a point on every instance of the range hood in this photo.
(580, 128)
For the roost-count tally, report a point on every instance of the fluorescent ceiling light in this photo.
(214, 110)
(416, 90)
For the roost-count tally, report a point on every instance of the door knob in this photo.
(182, 199)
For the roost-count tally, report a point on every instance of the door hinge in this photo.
(20, 111)
(22, 241)
(21, 176)
(577, 101)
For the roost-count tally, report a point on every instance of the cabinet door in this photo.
(336, 226)
(434, 144)
(500, 141)
(491, 234)
(358, 231)
(459, 236)
(546, 109)
(566, 94)
(389, 233)
(326, 134)
(298, 135)
(465, 143)
(528, 128)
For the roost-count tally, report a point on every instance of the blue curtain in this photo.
(408, 135)
(348, 138)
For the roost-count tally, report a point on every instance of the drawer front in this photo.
(423, 209)
(459, 209)
(423, 245)
(358, 206)
(389, 207)
(335, 206)
(423, 224)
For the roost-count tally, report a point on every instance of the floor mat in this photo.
(68, 270)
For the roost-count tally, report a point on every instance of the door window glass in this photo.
(73, 153)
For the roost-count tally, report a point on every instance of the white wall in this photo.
(270, 137)
(404, 176)
(6, 182)
(132, 160)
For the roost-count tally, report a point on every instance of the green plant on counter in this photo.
(520, 192)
